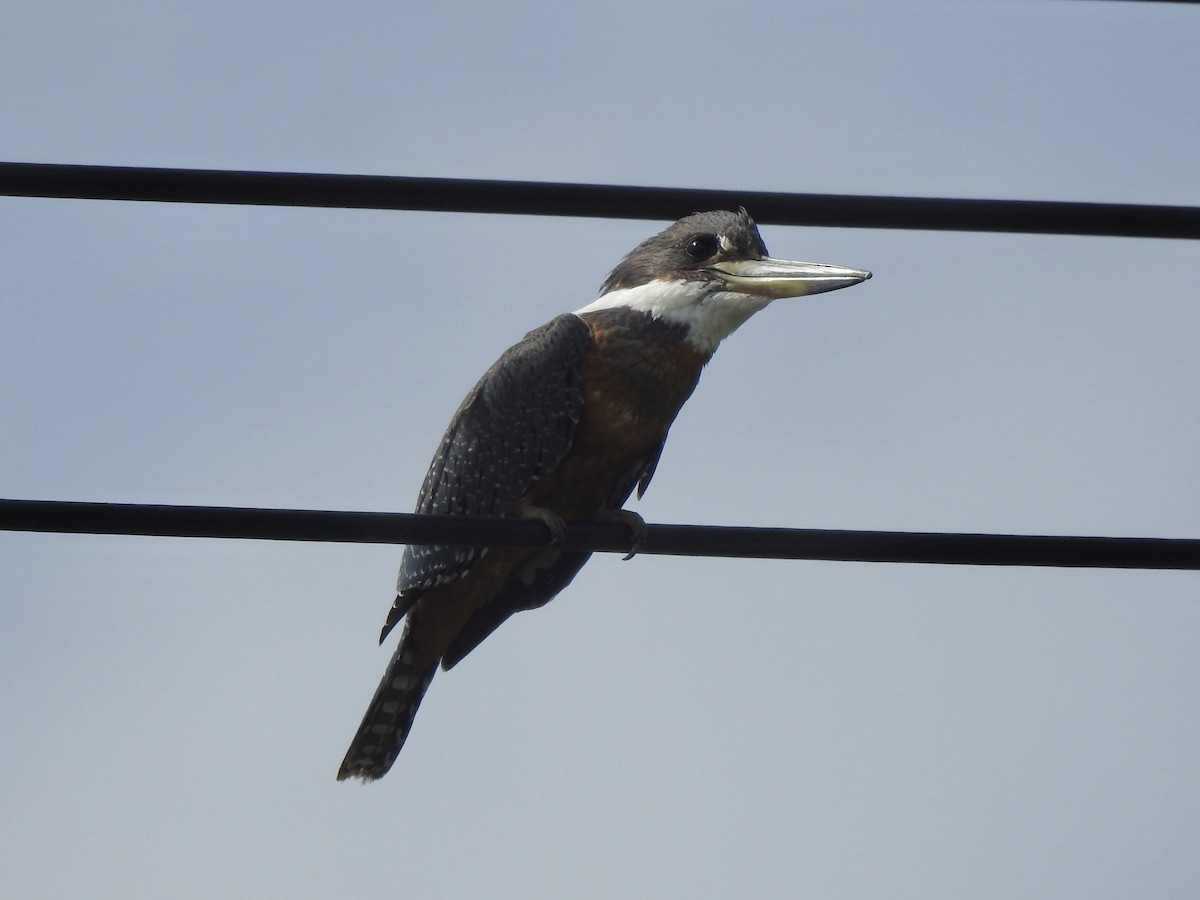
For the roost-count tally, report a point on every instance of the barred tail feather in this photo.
(388, 719)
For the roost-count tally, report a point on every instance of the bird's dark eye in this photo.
(702, 247)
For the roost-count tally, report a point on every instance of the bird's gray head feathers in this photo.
(710, 272)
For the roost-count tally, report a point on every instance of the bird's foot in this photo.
(631, 520)
(552, 520)
(547, 556)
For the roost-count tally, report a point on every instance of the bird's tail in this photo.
(388, 720)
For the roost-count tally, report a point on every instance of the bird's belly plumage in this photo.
(635, 377)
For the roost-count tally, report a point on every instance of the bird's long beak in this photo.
(777, 278)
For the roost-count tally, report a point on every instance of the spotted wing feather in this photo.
(514, 426)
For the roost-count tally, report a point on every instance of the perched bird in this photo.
(564, 426)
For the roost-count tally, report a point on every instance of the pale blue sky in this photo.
(175, 710)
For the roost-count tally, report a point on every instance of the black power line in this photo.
(678, 540)
(592, 200)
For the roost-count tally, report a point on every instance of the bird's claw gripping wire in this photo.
(636, 525)
(547, 556)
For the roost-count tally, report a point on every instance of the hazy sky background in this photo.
(174, 710)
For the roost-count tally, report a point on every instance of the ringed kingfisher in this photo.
(564, 426)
